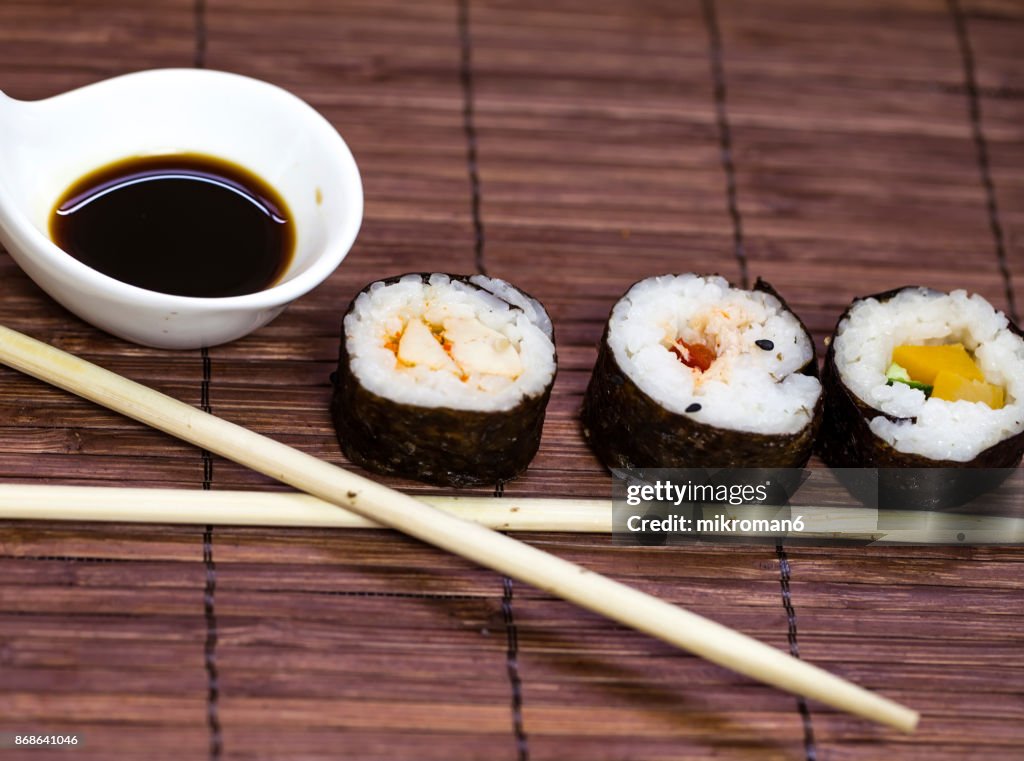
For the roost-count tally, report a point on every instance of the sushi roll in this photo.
(694, 373)
(443, 378)
(917, 378)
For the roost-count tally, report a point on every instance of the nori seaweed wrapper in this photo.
(439, 445)
(628, 429)
(846, 441)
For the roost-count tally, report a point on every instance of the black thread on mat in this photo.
(210, 647)
(785, 574)
(725, 149)
(469, 128)
(199, 14)
(204, 404)
(473, 170)
(981, 149)
(210, 587)
(512, 667)
(725, 137)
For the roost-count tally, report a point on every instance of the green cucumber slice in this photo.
(898, 374)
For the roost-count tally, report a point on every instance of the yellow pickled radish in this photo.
(954, 388)
(924, 363)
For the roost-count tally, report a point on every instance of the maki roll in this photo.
(694, 373)
(443, 378)
(923, 379)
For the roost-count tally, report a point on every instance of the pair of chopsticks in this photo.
(382, 505)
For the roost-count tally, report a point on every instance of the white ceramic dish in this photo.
(47, 145)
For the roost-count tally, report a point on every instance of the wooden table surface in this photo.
(572, 147)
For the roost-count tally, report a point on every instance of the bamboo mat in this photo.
(835, 149)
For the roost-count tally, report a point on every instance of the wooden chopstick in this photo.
(262, 508)
(590, 516)
(680, 627)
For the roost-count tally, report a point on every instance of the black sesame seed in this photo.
(765, 344)
(693, 407)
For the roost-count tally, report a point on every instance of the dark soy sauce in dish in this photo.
(185, 224)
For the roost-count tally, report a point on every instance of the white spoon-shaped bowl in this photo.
(46, 145)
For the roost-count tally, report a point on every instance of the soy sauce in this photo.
(185, 224)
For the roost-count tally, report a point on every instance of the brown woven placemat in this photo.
(572, 147)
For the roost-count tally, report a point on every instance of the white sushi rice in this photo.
(746, 388)
(934, 428)
(382, 313)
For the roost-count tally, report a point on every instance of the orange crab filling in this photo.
(460, 345)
